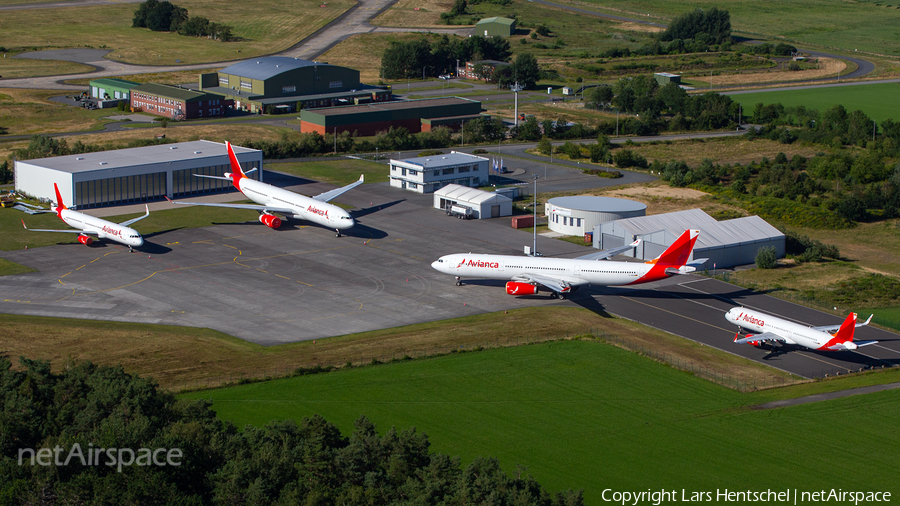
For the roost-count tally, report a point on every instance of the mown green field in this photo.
(866, 25)
(587, 415)
(876, 100)
(337, 172)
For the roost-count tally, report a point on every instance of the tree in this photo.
(766, 258)
(713, 25)
(526, 70)
(159, 16)
(459, 8)
(544, 147)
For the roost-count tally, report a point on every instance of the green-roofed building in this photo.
(111, 88)
(176, 102)
(496, 27)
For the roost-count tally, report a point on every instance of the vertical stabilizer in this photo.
(236, 173)
(679, 252)
(60, 207)
(845, 333)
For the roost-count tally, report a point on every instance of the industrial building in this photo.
(725, 243)
(495, 27)
(664, 78)
(133, 175)
(176, 102)
(481, 69)
(482, 204)
(275, 84)
(580, 214)
(427, 174)
(370, 119)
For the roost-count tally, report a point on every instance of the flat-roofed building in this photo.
(131, 175)
(176, 102)
(427, 174)
(370, 119)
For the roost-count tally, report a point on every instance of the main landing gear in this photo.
(130, 249)
(458, 281)
(338, 232)
(557, 295)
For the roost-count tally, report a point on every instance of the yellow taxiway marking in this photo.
(171, 243)
(205, 241)
(119, 287)
(260, 270)
(283, 277)
(19, 301)
(66, 274)
(227, 246)
(174, 311)
(307, 284)
(81, 266)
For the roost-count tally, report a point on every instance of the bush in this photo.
(766, 258)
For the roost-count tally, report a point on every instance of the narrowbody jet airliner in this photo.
(89, 225)
(564, 275)
(766, 328)
(278, 200)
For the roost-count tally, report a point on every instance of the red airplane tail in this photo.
(60, 207)
(845, 333)
(679, 252)
(236, 173)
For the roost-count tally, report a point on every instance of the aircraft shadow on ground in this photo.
(361, 231)
(365, 211)
(282, 180)
(152, 248)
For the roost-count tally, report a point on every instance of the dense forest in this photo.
(92, 407)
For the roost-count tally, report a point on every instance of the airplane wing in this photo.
(139, 218)
(68, 231)
(255, 207)
(325, 197)
(831, 329)
(609, 253)
(765, 336)
(555, 284)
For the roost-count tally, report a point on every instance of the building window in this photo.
(223, 81)
(336, 84)
(246, 85)
(448, 171)
(464, 169)
(288, 89)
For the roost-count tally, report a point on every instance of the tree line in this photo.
(284, 462)
(422, 57)
(164, 16)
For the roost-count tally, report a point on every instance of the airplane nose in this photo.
(139, 241)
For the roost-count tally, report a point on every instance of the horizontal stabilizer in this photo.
(254, 207)
(609, 253)
(223, 178)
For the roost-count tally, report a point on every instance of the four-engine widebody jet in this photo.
(563, 275)
(767, 328)
(90, 225)
(278, 200)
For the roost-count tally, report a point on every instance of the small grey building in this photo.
(725, 243)
(580, 214)
(495, 27)
(125, 176)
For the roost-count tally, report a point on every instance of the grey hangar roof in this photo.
(598, 204)
(129, 157)
(714, 234)
(267, 67)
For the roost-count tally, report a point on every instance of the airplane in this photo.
(278, 200)
(767, 328)
(89, 225)
(564, 275)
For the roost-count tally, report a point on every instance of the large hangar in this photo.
(725, 243)
(370, 119)
(133, 175)
(285, 84)
(579, 214)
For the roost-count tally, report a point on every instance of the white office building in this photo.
(428, 174)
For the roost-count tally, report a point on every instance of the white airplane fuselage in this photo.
(304, 208)
(793, 333)
(598, 273)
(104, 229)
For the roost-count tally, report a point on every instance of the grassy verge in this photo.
(338, 172)
(583, 415)
(13, 68)
(872, 99)
(7, 268)
(262, 26)
(187, 358)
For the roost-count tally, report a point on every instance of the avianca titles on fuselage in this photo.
(561, 275)
(272, 199)
(768, 328)
(87, 225)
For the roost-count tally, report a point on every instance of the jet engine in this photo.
(270, 220)
(516, 288)
(85, 239)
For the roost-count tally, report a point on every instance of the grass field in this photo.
(339, 172)
(876, 100)
(867, 25)
(263, 26)
(11, 68)
(586, 415)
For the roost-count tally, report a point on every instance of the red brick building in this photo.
(177, 103)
